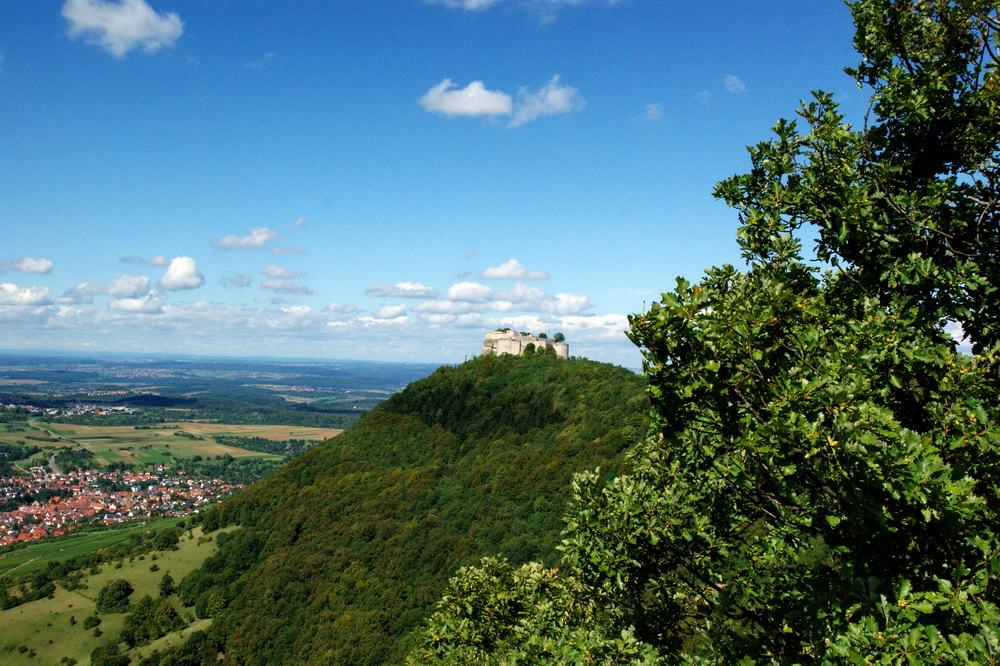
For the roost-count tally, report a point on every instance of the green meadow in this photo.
(50, 630)
(38, 554)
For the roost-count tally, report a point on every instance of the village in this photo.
(104, 497)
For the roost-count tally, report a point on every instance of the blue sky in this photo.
(380, 180)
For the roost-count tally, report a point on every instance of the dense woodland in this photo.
(345, 550)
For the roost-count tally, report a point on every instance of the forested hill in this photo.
(344, 551)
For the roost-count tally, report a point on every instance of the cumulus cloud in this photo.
(469, 291)
(470, 297)
(450, 307)
(513, 270)
(11, 294)
(28, 265)
(733, 84)
(389, 312)
(283, 287)
(402, 290)
(158, 260)
(181, 274)
(257, 238)
(128, 286)
(551, 99)
(472, 100)
(81, 293)
(148, 304)
(475, 100)
(340, 308)
(124, 286)
(566, 304)
(275, 271)
(119, 27)
(470, 320)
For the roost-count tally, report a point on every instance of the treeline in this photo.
(71, 459)
(230, 469)
(9, 453)
(344, 550)
(289, 448)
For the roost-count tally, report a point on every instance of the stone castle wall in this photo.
(498, 343)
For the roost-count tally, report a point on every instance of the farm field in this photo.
(159, 444)
(45, 629)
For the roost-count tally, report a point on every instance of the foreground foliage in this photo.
(823, 480)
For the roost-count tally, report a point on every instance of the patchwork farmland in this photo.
(158, 444)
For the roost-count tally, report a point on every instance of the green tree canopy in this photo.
(113, 597)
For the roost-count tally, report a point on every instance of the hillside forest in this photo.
(341, 555)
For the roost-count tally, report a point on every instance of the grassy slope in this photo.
(37, 555)
(351, 544)
(44, 625)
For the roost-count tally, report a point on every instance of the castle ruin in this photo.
(506, 341)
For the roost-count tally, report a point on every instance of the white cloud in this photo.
(341, 308)
(513, 270)
(469, 320)
(124, 286)
(11, 294)
(402, 290)
(566, 304)
(734, 84)
(957, 332)
(445, 306)
(257, 238)
(389, 312)
(148, 304)
(119, 27)
(81, 293)
(469, 291)
(275, 271)
(285, 250)
(128, 286)
(473, 100)
(704, 97)
(551, 99)
(603, 327)
(521, 296)
(283, 287)
(158, 260)
(29, 317)
(470, 297)
(181, 274)
(28, 265)
(476, 100)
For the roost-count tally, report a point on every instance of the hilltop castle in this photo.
(506, 341)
